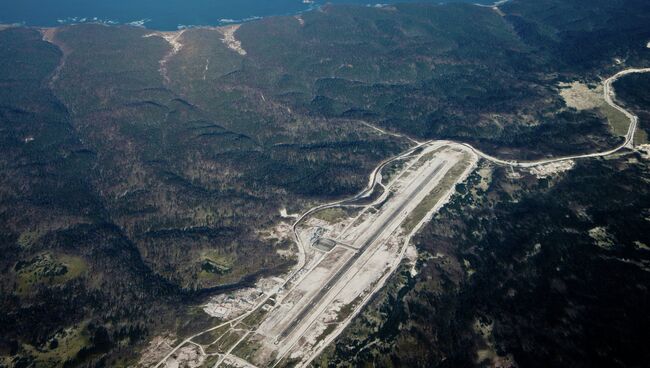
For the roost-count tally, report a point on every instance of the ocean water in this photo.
(163, 14)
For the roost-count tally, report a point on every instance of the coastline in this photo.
(152, 25)
(142, 23)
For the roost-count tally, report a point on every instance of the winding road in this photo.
(375, 179)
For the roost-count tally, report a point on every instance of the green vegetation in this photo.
(538, 277)
(29, 238)
(192, 319)
(617, 120)
(332, 215)
(226, 342)
(211, 336)
(63, 347)
(253, 320)
(214, 264)
(44, 268)
(347, 309)
(247, 349)
(129, 192)
(389, 173)
(211, 360)
(328, 330)
(633, 93)
(435, 195)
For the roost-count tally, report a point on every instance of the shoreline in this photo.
(224, 22)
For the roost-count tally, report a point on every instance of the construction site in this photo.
(347, 251)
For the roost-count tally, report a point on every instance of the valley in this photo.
(351, 186)
(345, 261)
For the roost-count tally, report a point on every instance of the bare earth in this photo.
(230, 40)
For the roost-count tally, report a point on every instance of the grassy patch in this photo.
(228, 340)
(195, 319)
(331, 215)
(343, 313)
(616, 119)
(28, 238)
(247, 349)
(328, 330)
(64, 346)
(390, 171)
(48, 269)
(426, 158)
(434, 196)
(214, 263)
(253, 319)
(210, 361)
(347, 309)
(75, 265)
(640, 137)
(211, 336)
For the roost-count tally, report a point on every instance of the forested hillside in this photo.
(143, 171)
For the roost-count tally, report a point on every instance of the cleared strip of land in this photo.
(313, 304)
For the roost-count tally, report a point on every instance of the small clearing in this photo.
(302, 21)
(644, 149)
(49, 35)
(285, 214)
(188, 356)
(488, 355)
(229, 39)
(580, 96)
(207, 67)
(544, 171)
(157, 349)
(411, 257)
(232, 305)
(602, 238)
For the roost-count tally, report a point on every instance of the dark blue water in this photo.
(161, 14)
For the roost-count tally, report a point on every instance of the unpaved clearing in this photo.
(489, 355)
(580, 96)
(49, 35)
(188, 356)
(235, 304)
(174, 40)
(229, 39)
(644, 149)
(602, 238)
(157, 349)
(411, 256)
(284, 214)
(280, 231)
(544, 171)
(233, 361)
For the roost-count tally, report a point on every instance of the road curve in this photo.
(609, 96)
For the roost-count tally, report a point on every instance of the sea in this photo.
(165, 15)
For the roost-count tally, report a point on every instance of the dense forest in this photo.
(139, 177)
(520, 271)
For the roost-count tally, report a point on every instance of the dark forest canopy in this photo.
(127, 167)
